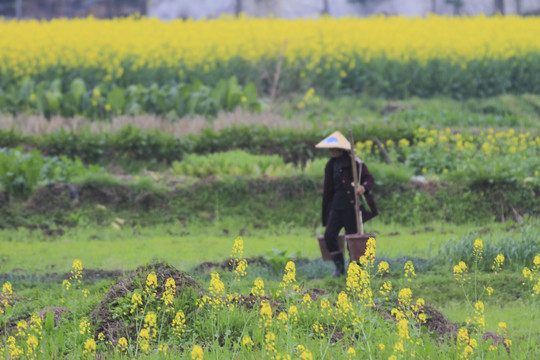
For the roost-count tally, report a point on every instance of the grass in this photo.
(517, 111)
(33, 295)
(516, 314)
(121, 247)
(30, 260)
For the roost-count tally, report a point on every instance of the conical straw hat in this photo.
(335, 141)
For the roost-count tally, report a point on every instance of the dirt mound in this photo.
(93, 275)
(104, 195)
(53, 197)
(249, 302)
(228, 265)
(209, 266)
(89, 275)
(57, 312)
(115, 328)
(429, 186)
(436, 321)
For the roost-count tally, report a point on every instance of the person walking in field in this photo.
(338, 203)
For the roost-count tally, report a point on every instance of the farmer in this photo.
(338, 201)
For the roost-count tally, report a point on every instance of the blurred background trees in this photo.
(172, 9)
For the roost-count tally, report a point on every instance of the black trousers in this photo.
(337, 220)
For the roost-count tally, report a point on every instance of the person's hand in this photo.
(359, 189)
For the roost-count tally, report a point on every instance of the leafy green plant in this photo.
(20, 172)
(279, 257)
(104, 100)
(232, 163)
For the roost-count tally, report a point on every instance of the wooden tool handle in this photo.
(359, 223)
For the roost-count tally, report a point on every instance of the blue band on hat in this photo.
(330, 140)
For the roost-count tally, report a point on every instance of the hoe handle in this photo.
(356, 175)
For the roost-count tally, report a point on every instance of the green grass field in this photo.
(35, 263)
(184, 246)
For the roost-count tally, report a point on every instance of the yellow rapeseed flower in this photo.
(151, 284)
(197, 353)
(409, 270)
(498, 263)
(247, 342)
(478, 249)
(90, 348)
(460, 271)
(179, 324)
(258, 288)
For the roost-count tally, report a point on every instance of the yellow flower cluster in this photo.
(179, 324)
(143, 340)
(465, 343)
(265, 319)
(368, 259)
(75, 275)
(498, 263)
(359, 284)
(151, 284)
(309, 98)
(84, 327)
(217, 293)
(479, 315)
(6, 297)
(258, 288)
(270, 345)
(303, 353)
(26, 341)
(237, 249)
(344, 309)
(31, 47)
(197, 353)
(478, 249)
(533, 276)
(237, 260)
(150, 325)
(288, 283)
(136, 302)
(460, 272)
(383, 268)
(409, 270)
(122, 345)
(169, 293)
(247, 342)
(90, 348)
(441, 144)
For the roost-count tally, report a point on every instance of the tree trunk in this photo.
(143, 7)
(434, 6)
(518, 7)
(110, 9)
(238, 7)
(18, 9)
(499, 6)
(325, 7)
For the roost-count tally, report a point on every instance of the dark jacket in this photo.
(366, 181)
